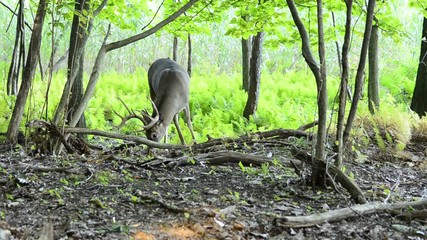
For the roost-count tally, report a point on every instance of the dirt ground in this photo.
(123, 193)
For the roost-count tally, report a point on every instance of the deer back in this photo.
(169, 90)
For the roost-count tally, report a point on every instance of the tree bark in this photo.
(18, 53)
(343, 86)
(78, 38)
(319, 72)
(419, 98)
(189, 57)
(373, 84)
(28, 74)
(255, 76)
(246, 62)
(318, 176)
(77, 94)
(175, 49)
(360, 71)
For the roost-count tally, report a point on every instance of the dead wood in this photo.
(349, 212)
(135, 139)
(308, 126)
(252, 137)
(273, 137)
(334, 175)
(169, 206)
(410, 215)
(217, 158)
(46, 232)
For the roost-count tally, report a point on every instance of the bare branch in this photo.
(155, 14)
(99, 8)
(150, 31)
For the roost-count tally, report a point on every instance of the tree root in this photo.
(334, 174)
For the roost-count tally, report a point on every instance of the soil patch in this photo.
(126, 194)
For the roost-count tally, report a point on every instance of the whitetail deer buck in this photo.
(169, 90)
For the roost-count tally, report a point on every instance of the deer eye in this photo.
(154, 136)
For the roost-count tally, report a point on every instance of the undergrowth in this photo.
(287, 100)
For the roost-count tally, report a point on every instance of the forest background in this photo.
(287, 96)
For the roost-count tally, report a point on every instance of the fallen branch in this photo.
(252, 137)
(135, 139)
(217, 158)
(169, 206)
(308, 125)
(345, 213)
(206, 146)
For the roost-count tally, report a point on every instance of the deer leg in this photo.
(188, 120)
(176, 121)
(166, 135)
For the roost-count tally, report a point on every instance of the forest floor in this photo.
(123, 193)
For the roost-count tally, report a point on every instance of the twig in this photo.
(162, 203)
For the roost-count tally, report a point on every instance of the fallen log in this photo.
(348, 212)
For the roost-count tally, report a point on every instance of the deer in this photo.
(169, 86)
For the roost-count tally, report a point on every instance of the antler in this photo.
(131, 115)
(146, 119)
(153, 120)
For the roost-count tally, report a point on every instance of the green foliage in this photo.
(420, 5)
(125, 14)
(6, 103)
(390, 127)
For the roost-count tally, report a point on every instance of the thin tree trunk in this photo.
(318, 176)
(373, 84)
(189, 58)
(50, 67)
(360, 71)
(246, 62)
(15, 63)
(175, 49)
(343, 86)
(78, 41)
(77, 94)
(28, 74)
(255, 76)
(337, 46)
(58, 62)
(78, 38)
(419, 98)
(319, 72)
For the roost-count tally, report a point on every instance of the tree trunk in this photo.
(17, 57)
(373, 84)
(77, 95)
(255, 76)
(246, 62)
(189, 58)
(319, 174)
(175, 49)
(360, 71)
(78, 38)
(28, 73)
(343, 86)
(419, 98)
